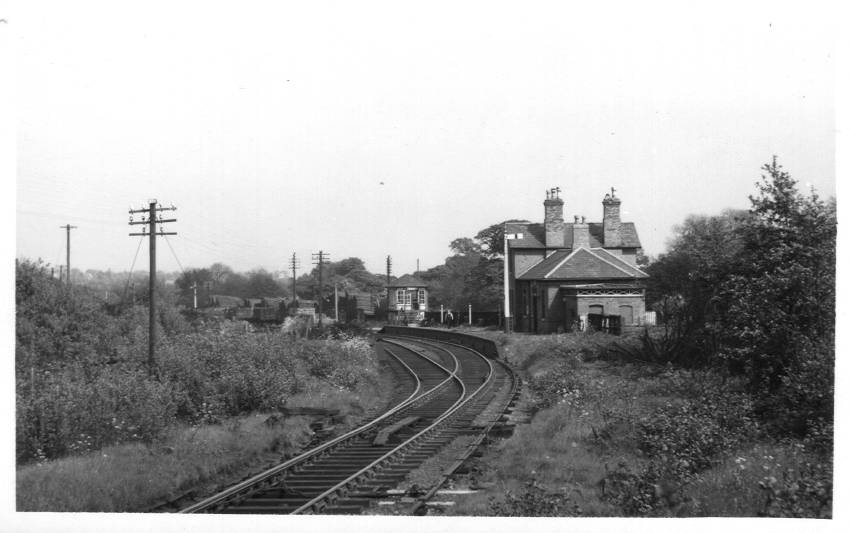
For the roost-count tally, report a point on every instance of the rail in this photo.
(454, 409)
(235, 490)
(481, 345)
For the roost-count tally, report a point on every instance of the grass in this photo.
(588, 446)
(132, 477)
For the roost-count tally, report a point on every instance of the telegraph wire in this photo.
(132, 265)
(168, 242)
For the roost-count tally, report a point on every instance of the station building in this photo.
(567, 275)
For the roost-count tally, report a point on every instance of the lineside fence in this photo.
(480, 345)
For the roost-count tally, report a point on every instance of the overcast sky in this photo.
(368, 130)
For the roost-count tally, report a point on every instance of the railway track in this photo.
(451, 389)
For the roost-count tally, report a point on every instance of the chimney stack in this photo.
(581, 234)
(611, 219)
(553, 219)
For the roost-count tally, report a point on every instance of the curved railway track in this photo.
(450, 392)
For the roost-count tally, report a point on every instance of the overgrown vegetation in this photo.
(615, 438)
(83, 383)
(132, 477)
(753, 295)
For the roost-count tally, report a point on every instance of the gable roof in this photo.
(534, 235)
(407, 280)
(582, 264)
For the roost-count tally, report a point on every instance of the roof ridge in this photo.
(572, 253)
(619, 260)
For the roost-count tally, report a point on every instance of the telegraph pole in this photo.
(389, 270)
(151, 220)
(319, 259)
(294, 263)
(68, 229)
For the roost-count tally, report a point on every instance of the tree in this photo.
(780, 303)
(191, 280)
(490, 240)
(684, 282)
(473, 274)
(220, 272)
(755, 293)
(260, 283)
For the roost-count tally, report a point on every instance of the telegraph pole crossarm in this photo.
(151, 218)
(319, 260)
(294, 264)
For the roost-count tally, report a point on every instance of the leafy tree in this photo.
(684, 283)
(220, 273)
(260, 283)
(348, 274)
(755, 293)
(201, 279)
(778, 308)
(490, 240)
(473, 274)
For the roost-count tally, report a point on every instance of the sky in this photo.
(367, 129)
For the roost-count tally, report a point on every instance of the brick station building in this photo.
(566, 275)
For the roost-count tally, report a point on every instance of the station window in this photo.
(399, 296)
(543, 303)
(421, 296)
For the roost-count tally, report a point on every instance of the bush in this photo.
(202, 378)
(71, 415)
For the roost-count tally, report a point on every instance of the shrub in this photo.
(687, 435)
